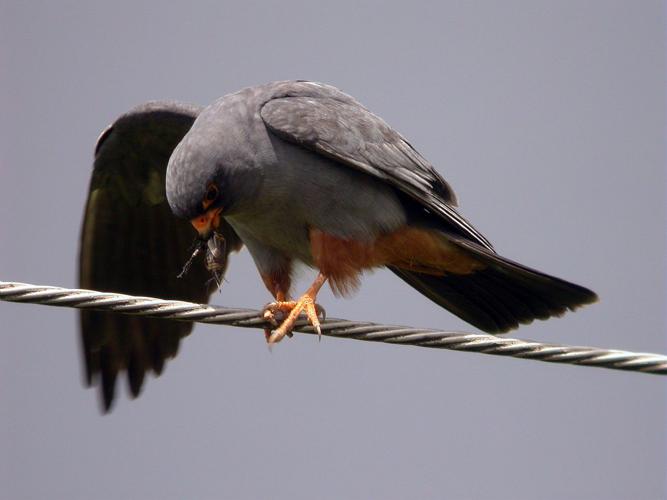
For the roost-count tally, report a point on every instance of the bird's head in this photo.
(212, 172)
(194, 187)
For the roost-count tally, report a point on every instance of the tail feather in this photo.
(500, 296)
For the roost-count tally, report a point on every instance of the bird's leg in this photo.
(278, 283)
(306, 303)
(276, 312)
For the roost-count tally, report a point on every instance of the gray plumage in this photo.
(289, 158)
(236, 140)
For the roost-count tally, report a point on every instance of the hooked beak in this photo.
(206, 223)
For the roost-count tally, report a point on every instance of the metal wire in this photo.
(249, 318)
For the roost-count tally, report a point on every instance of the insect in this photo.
(216, 257)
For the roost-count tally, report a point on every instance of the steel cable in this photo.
(249, 318)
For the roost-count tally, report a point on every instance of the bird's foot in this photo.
(284, 315)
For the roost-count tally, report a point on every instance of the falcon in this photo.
(296, 171)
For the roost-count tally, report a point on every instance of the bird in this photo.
(297, 172)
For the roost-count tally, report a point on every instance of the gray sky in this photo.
(547, 118)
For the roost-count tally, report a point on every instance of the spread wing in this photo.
(131, 243)
(342, 129)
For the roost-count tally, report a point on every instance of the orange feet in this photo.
(276, 311)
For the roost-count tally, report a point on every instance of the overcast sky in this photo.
(547, 118)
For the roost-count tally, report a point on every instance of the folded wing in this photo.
(347, 132)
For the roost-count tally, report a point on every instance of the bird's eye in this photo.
(211, 195)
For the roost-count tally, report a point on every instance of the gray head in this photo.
(209, 175)
(194, 178)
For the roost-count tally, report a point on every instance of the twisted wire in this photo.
(249, 318)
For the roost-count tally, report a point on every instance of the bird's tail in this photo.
(499, 294)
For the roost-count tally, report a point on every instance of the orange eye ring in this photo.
(212, 193)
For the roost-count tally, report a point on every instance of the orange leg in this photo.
(306, 303)
(278, 283)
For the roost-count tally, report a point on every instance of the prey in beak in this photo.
(207, 223)
(215, 244)
(216, 257)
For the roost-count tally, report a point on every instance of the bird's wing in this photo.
(131, 243)
(344, 130)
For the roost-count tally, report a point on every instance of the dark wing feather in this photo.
(344, 130)
(502, 294)
(131, 243)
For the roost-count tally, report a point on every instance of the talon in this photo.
(284, 330)
(306, 303)
(276, 312)
(313, 317)
(268, 315)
